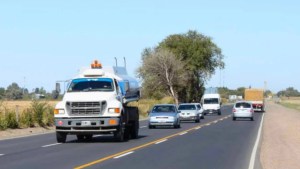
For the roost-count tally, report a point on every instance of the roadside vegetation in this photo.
(290, 102)
(37, 114)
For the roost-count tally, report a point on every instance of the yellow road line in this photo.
(135, 148)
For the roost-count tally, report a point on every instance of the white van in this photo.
(211, 103)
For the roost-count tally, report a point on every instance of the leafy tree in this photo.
(2, 92)
(162, 71)
(200, 56)
(267, 93)
(14, 92)
(289, 92)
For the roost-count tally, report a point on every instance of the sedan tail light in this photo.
(252, 111)
(233, 110)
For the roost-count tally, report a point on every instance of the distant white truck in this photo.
(96, 103)
(211, 103)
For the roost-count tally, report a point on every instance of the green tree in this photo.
(14, 92)
(201, 58)
(162, 71)
(2, 92)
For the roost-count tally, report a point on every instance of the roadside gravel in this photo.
(280, 147)
(14, 133)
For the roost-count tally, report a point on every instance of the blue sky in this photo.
(46, 41)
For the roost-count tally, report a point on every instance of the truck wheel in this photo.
(80, 137)
(119, 134)
(134, 132)
(61, 137)
(88, 137)
(219, 112)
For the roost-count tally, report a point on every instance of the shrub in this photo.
(3, 123)
(27, 118)
(38, 109)
(48, 117)
(11, 120)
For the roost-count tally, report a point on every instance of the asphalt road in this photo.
(216, 142)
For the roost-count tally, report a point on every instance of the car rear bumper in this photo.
(211, 111)
(183, 118)
(246, 115)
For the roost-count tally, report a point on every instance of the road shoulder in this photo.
(280, 147)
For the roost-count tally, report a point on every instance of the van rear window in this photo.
(211, 101)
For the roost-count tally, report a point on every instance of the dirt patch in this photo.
(13, 133)
(280, 147)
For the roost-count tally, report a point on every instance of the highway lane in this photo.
(43, 152)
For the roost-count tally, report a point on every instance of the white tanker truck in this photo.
(96, 103)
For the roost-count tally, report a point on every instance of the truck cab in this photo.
(96, 103)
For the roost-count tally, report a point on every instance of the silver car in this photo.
(242, 109)
(190, 111)
(164, 115)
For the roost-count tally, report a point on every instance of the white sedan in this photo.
(242, 109)
(164, 115)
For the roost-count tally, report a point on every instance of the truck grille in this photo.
(86, 108)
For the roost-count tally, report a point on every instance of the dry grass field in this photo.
(20, 105)
(291, 102)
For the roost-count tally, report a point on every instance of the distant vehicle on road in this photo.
(242, 109)
(190, 112)
(211, 103)
(256, 97)
(164, 115)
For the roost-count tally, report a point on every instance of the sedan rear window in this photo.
(157, 109)
(187, 107)
(243, 105)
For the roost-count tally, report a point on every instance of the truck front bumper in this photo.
(87, 125)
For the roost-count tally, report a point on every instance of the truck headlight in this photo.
(59, 111)
(114, 110)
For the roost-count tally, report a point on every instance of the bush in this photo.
(48, 117)
(38, 109)
(3, 122)
(11, 120)
(27, 118)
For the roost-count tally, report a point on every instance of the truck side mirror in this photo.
(126, 86)
(57, 87)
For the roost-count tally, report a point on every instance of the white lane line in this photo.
(1, 154)
(197, 128)
(215, 122)
(98, 135)
(253, 155)
(49, 145)
(123, 155)
(183, 133)
(208, 124)
(161, 141)
(143, 127)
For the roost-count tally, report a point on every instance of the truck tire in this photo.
(88, 137)
(80, 137)
(134, 132)
(219, 112)
(61, 137)
(120, 133)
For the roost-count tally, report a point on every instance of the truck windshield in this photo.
(94, 84)
(211, 101)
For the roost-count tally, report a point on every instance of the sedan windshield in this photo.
(163, 109)
(95, 84)
(187, 107)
